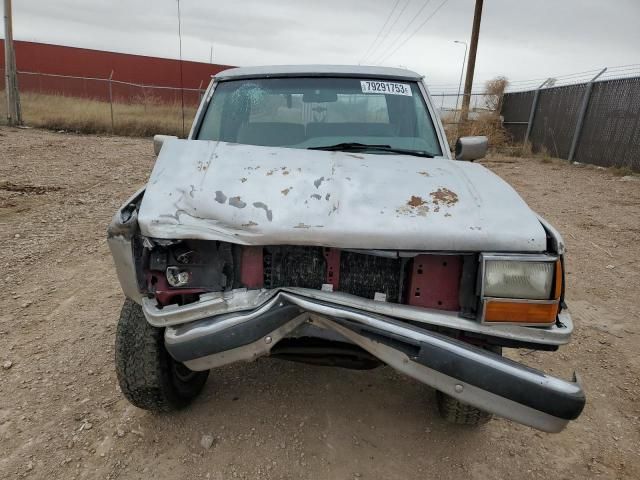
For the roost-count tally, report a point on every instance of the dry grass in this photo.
(623, 171)
(494, 93)
(487, 123)
(82, 115)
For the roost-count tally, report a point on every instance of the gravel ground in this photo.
(62, 416)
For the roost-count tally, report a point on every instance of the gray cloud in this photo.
(518, 39)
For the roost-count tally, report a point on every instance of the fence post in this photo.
(111, 100)
(582, 114)
(200, 92)
(532, 113)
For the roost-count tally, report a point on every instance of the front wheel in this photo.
(454, 411)
(148, 376)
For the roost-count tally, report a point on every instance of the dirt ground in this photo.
(62, 416)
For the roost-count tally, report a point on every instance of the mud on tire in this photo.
(148, 376)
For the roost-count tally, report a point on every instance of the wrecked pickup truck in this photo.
(315, 214)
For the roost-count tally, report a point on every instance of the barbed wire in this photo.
(575, 78)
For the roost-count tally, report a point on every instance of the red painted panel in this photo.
(252, 267)
(82, 62)
(332, 256)
(164, 292)
(435, 282)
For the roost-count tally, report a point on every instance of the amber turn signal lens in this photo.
(558, 280)
(514, 312)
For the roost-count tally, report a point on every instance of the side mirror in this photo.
(158, 140)
(471, 148)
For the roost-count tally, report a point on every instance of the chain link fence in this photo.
(108, 105)
(595, 121)
(104, 105)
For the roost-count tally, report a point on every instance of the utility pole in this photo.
(14, 115)
(471, 65)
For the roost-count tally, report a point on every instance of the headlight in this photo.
(521, 289)
(518, 279)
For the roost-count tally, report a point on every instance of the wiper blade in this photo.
(359, 147)
(349, 146)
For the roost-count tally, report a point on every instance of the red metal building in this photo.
(49, 59)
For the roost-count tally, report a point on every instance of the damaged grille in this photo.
(294, 267)
(440, 281)
(366, 275)
(359, 274)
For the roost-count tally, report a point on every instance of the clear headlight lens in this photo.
(518, 279)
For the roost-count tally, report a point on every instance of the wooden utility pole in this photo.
(14, 115)
(471, 65)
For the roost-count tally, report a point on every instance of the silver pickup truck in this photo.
(315, 214)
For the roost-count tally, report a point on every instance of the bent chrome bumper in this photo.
(243, 301)
(470, 374)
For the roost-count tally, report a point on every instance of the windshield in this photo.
(318, 112)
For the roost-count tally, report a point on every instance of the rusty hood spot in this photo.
(444, 196)
(286, 191)
(415, 201)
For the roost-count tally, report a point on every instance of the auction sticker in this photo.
(386, 88)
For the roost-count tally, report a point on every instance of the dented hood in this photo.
(266, 196)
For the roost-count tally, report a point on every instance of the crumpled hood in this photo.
(268, 196)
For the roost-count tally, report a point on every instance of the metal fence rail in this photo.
(105, 104)
(106, 89)
(596, 122)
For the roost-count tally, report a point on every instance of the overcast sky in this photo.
(519, 39)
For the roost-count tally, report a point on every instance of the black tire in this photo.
(454, 411)
(149, 377)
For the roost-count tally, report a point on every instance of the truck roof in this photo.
(359, 71)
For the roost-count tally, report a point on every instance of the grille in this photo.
(294, 267)
(364, 275)
(306, 267)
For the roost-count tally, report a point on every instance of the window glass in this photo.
(319, 111)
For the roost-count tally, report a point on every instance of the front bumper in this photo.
(470, 374)
(217, 304)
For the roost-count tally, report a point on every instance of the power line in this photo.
(420, 10)
(566, 79)
(415, 31)
(395, 5)
(373, 53)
